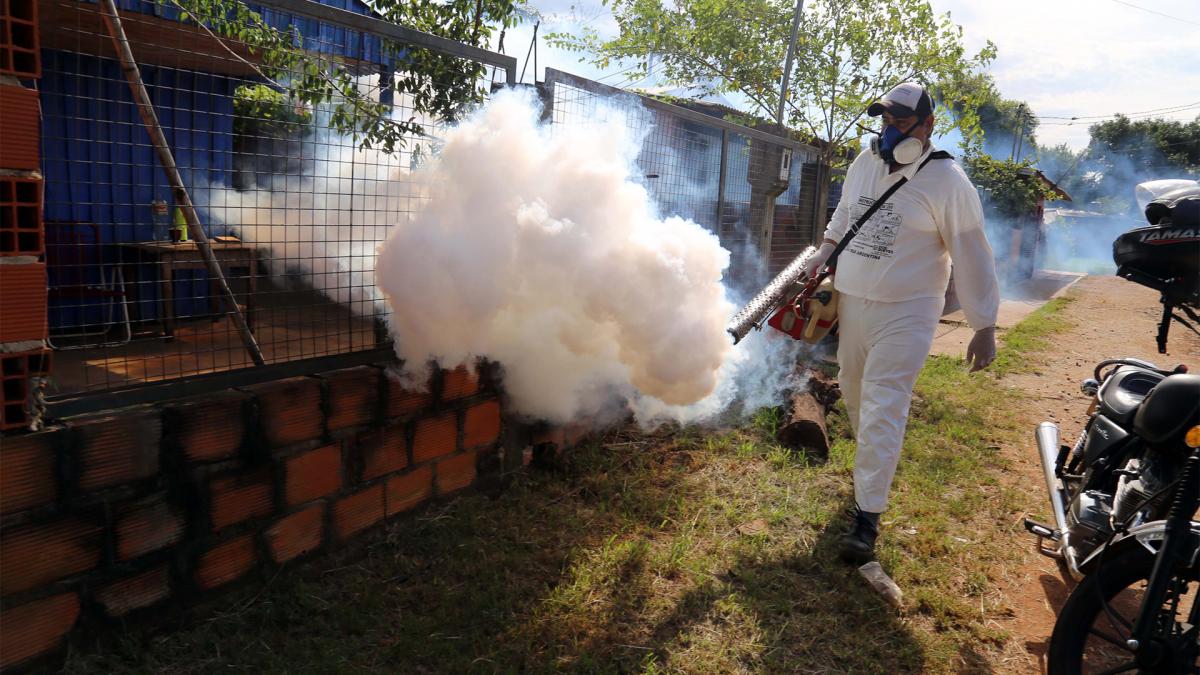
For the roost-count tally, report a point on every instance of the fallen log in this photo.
(805, 428)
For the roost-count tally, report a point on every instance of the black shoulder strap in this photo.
(832, 262)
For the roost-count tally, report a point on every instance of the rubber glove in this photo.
(982, 349)
(815, 263)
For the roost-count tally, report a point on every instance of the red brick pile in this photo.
(23, 356)
(108, 516)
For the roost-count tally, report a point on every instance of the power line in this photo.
(619, 72)
(1127, 114)
(1109, 118)
(1122, 148)
(1176, 18)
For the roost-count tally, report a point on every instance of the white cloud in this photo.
(1087, 57)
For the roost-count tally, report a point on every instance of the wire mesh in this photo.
(730, 179)
(292, 191)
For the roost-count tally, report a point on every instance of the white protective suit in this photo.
(892, 279)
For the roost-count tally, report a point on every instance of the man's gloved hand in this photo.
(982, 349)
(815, 263)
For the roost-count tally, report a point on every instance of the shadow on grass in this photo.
(606, 565)
(816, 613)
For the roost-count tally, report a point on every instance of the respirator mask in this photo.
(897, 146)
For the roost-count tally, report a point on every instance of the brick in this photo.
(22, 132)
(211, 428)
(289, 410)
(357, 512)
(19, 46)
(407, 491)
(35, 628)
(458, 383)
(435, 437)
(455, 473)
(38, 554)
(312, 475)
(401, 401)
(296, 534)
(225, 562)
(556, 436)
(383, 451)
(16, 369)
(136, 592)
(27, 476)
(22, 232)
(353, 397)
(117, 448)
(22, 299)
(563, 437)
(481, 425)
(146, 528)
(240, 497)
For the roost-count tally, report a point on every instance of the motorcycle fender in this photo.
(1146, 535)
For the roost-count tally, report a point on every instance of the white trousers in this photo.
(881, 348)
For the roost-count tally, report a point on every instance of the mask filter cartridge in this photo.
(896, 146)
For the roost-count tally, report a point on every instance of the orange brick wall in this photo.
(24, 360)
(112, 517)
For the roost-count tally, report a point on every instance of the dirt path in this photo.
(1110, 317)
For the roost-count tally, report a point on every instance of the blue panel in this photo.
(101, 168)
(316, 36)
(191, 293)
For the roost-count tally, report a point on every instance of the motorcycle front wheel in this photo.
(1091, 633)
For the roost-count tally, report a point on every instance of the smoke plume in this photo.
(535, 246)
(537, 250)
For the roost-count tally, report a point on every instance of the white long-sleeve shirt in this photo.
(904, 251)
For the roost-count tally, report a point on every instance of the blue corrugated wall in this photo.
(100, 167)
(99, 164)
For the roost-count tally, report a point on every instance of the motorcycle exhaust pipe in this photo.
(1048, 440)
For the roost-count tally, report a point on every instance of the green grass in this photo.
(1029, 337)
(695, 550)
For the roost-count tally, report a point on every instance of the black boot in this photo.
(858, 545)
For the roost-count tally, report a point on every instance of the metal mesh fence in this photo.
(290, 198)
(749, 187)
(291, 202)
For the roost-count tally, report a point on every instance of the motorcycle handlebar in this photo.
(1130, 361)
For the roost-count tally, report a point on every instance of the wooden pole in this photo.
(150, 119)
(787, 68)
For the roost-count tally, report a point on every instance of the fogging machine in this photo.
(802, 302)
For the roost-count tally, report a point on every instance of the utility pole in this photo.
(787, 65)
(1013, 153)
(1021, 133)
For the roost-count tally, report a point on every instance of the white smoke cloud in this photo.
(537, 250)
(536, 247)
(324, 225)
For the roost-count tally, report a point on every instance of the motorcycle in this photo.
(1112, 476)
(1165, 255)
(1138, 608)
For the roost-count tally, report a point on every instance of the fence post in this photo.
(721, 179)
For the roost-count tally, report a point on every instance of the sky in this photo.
(1066, 58)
